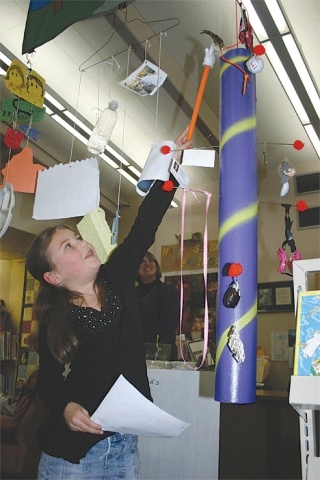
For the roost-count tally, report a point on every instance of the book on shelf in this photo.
(8, 346)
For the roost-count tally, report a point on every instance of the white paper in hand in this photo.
(125, 410)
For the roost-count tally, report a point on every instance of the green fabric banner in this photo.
(48, 18)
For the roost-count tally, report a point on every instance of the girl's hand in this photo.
(78, 420)
(182, 144)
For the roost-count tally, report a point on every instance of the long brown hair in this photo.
(53, 303)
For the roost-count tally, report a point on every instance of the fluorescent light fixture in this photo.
(127, 176)
(134, 170)
(286, 82)
(117, 155)
(255, 21)
(49, 111)
(54, 101)
(70, 129)
(5, 59)
(109, 161)
(303, 72)
(313, 137)
(2, 72)
(78, 122)
(277, 16)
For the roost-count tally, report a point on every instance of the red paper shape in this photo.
(22, 172)
(13, 138)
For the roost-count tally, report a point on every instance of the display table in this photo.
(189, 396)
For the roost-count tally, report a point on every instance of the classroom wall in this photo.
(271, 235)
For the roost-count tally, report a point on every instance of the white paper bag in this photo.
(67, 190)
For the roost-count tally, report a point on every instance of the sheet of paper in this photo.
(200, 157)
(94, 229)
(146, 80)
(125, 410)
(67, 190)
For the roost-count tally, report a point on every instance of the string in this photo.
(76, 117)
(145, 49)
(205, 273)
(123, 129)
(132, 46)
(158, 89)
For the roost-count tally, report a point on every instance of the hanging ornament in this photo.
(7, 202)
(255, 64)
(235, 344)
(298, 145)
(286, 171)
(289, 240)
(232, 295)
(301, 206)
(13, 138)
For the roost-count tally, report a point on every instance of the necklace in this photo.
(148, 293)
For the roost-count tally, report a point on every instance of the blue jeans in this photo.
(113, 458)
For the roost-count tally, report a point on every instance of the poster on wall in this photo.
(192, 256)
(307, 348)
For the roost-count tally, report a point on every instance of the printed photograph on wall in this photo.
(275, 297)
(194, 302)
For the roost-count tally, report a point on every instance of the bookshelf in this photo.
(27, 360)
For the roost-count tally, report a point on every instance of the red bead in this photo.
(165, 149)
(168, 186)
(298, 145)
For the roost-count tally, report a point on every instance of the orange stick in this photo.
(197, 105)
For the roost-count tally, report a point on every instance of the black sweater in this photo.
(110, 344)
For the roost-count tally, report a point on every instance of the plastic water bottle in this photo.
(103, 129)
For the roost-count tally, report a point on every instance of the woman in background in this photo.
(158, 305)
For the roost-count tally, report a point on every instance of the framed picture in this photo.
(307, 351)
(275, 297)
(193, 301)
(196, 349)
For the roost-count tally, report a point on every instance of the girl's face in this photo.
(74, 261)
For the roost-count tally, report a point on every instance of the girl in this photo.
(88, 318)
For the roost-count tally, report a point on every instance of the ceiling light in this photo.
(127, 176)
(109, 161)
(2, 72)
(303, 72)
(49, 111)
(134, 170)
(255, 21)
(5, 59)
(53, 101)
(286, 82)
(277, 16)
(78, 122)
(313, 137)
(70, 129)
(117, 155)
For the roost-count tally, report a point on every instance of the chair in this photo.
(20, 453)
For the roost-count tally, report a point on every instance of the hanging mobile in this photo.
(232, 294)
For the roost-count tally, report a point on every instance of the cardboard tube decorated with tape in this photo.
(157, 166)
